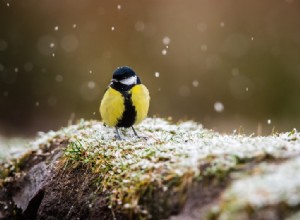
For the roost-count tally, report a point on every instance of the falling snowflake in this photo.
(166, 40)
(91, 84)
(139, 26)
(204, 47)
(195, 83)
(164, 52)
(202, 27)
(218, 106)
(235, 71)
(59, 78)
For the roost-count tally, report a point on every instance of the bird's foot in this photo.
(138, 136)
(117, 135)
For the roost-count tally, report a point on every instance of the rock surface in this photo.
(179, 171)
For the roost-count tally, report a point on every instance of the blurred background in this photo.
(230, 65)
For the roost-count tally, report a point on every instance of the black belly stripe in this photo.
(129, 115)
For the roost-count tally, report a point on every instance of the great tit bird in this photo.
(126, 100)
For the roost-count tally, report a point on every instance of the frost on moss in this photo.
(170, 158)
(12, 147)
(269, 185)
(13, 152)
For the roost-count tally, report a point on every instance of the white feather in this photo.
(129, 81)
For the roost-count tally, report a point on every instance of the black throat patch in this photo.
(129, 115)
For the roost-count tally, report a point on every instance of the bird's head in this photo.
(124, 78)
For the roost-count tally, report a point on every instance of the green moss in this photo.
(10, 167)
(125, 183)
(134, 171)
(146, 176)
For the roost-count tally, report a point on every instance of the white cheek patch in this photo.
(129, 81)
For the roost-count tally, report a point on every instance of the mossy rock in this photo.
(176, 171)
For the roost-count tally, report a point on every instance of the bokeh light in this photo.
(225, 64)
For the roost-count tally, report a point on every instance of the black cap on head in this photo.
(124, 78)
(123, 73)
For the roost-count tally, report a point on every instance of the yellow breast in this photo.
(140, 100)
(112, 107)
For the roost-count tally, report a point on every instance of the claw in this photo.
(135, 132)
